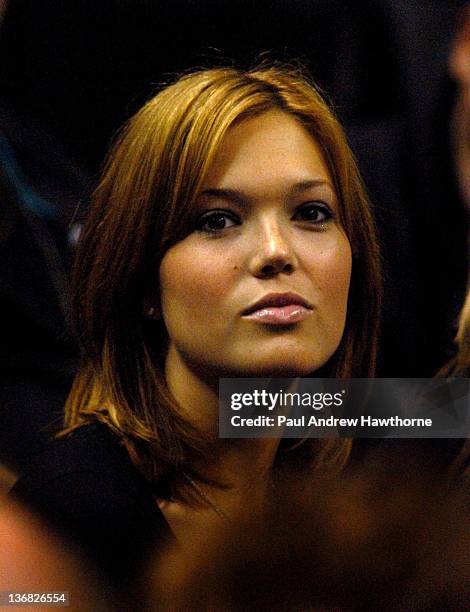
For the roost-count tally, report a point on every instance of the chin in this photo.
(286, 368)
(286, 356)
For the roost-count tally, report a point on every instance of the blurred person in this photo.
(40, 189)
(372, 540)
(37, 356)
(229, 236)
(459, 66)
(409, 156)
(35, 562)
(459, 365)
(412, 156)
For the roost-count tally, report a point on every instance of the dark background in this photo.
(83, 66)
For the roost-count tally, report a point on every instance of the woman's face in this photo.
(260, 285)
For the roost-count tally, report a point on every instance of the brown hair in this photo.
(141, 207)
(459, 366)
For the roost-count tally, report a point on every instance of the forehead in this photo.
(272, 149)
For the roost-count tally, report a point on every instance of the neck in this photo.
(245, 464)
(196, 396)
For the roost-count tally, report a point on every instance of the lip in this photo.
(279, 309)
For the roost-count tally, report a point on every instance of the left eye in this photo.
(313, 212)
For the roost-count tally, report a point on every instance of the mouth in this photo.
(279, 309)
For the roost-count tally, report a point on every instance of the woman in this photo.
(229, 236)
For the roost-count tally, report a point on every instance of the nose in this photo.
(273, 252)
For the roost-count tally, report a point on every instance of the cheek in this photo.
(330, 268)
(191, 279)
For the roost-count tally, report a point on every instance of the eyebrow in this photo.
(240, 197)
(304, 185)
(233, 195)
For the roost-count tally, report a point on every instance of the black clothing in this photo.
(87, 489)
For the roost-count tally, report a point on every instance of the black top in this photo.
(86, 488)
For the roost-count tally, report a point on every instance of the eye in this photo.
(313, 212)
(216, 221)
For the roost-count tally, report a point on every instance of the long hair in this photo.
(141, 207)
(459, 366)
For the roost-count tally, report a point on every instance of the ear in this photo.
(151, 309)
(459, 57)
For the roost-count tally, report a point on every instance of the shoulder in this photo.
(85, 487)
(91, 452)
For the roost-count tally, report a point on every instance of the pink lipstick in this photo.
(279, 309)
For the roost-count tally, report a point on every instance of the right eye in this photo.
(215, 221)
